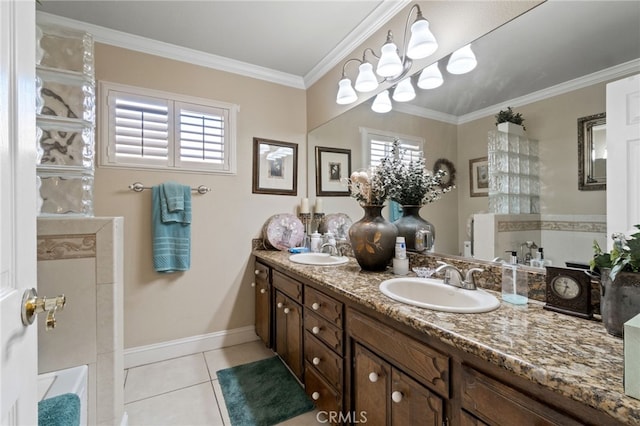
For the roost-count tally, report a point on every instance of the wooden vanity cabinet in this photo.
(288, 322)
(263, 303)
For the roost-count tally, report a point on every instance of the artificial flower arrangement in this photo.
(367, 187)
(624, 256)
(508, 116)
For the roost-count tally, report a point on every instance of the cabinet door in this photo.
(262, 289)
(371, 384)
(288, 330)
(412, 403)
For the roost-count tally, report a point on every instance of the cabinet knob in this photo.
(263, 291)
(315, 396)
(373, 377)
(253, 284)
(279, 305)
(396, 396)
(316, 360)
(287, 310)
(315, 306)
(257, 272)
(315, 330)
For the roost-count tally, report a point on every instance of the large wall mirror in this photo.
(592, 152)
(553, 81)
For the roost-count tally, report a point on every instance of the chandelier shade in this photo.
(430, 77)
(389, 64)
(366, 80)
(382, 103)
(462, 61)
(422, 42)
(404, 91)
(346, 94)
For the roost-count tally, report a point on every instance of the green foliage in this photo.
(624, 256)
(507, 115)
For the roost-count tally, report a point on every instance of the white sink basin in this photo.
(318, 259)
(434, 294)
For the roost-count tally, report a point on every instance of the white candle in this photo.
(318, 208)
(304, 207)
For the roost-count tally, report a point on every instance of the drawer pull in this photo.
(316, 360)
(253, 284)
(315, 306)
(396, 396)
(263, 291)
(315, 396)
(373, 377)
(257, 272)
(279, 305)
(287, 310)
(315, 330)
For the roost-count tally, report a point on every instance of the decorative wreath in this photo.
(447, 166)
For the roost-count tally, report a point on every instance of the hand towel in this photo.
(171, 237)
(175, 202)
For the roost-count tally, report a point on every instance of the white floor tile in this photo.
(165, 376)
(223, 406)
(193, 406)
(220, 359)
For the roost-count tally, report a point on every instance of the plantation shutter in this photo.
(381, 146)
(201, 134)
(141, 128)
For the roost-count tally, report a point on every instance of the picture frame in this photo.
(275, 167)
(479, 177)
(332, 165)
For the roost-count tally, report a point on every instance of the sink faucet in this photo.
(335, 247)
(453, 276)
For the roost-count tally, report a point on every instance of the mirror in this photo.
(552, 83)
(592, 152)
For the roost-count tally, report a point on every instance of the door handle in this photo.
(33, 305)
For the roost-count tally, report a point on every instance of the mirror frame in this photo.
(585, 144)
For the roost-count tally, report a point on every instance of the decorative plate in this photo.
(283, 231)
(337, 223)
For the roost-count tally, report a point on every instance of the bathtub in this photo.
(71, 380)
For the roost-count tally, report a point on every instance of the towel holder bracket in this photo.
(139, 187)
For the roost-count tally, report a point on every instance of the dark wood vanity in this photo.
(380, 363)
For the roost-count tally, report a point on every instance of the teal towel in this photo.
(175, 202)
(61, 410)
(171, 238)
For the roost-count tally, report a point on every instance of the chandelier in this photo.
(393, 68)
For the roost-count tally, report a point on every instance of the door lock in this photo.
(33, 305)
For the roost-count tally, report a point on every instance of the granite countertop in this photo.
(574, 357)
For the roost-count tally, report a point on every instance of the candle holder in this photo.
(317, 218)
(306, 220)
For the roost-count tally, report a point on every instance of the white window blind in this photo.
(379, 144)
(151, 129)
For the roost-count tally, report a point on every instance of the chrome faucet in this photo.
(453, 276)
(333, 250)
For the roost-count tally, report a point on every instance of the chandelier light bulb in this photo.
(404, 91)
(462, 61)
(382, 103)
(366, 81)
(389, 64)
(346, 94)
(430, 77)
(422, 42)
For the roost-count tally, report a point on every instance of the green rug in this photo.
(262, 393)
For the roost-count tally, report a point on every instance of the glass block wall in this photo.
(65, 120)
(514, 184)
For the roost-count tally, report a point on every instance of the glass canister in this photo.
(424, 240)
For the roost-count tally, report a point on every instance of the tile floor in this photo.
(185, 391)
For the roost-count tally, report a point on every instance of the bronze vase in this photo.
(619, 299)
(409, 223)
(373, 239)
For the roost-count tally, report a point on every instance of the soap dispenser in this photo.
(515, 286)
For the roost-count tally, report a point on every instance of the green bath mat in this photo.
(262, 393)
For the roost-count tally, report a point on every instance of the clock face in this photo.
(565, 287)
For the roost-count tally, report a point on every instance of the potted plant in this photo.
(505, 120)
(619, 280)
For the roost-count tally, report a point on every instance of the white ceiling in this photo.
(551, 44)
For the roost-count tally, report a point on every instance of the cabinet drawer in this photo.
(288, 286)
(261, 272)
(426, 364)
(324, 360)
(322, 394)
(323, 305)
(482, 395)
(323, 330)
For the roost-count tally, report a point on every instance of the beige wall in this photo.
(215, 294)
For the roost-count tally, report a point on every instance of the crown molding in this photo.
(171, 51)
(426, 113)
(372, 23)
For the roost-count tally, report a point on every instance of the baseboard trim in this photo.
(142, 355)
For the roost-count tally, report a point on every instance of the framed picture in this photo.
(479, 177)
(275, 167)
(332, 164)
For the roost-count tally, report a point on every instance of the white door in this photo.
(18, 344)
(623, 155)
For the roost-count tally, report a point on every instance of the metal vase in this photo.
(409, 223)
(373, 239)
(619, 299)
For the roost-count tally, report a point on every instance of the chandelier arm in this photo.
(344, 66)
(372, 52)
(406, 28)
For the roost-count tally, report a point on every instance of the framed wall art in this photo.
(275, 167)
(479, 177)
(332, 165)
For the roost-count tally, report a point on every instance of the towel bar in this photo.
(139, 187)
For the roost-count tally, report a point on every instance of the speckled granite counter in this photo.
(574, 357)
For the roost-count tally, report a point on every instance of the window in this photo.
(151, 129)
(377, 144)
